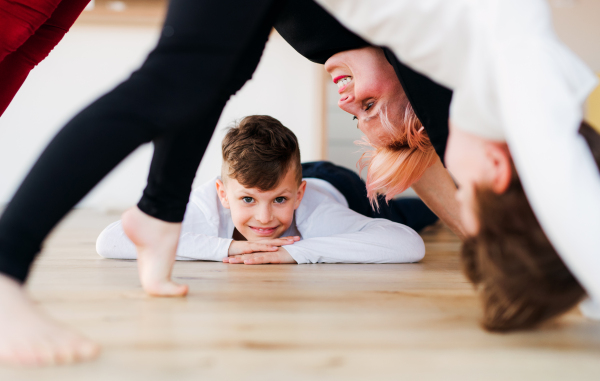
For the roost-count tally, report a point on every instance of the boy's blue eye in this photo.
(280, 200)
(247, 200)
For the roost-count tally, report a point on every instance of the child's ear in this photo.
(501, 168)
(222, 194)
(301, 191)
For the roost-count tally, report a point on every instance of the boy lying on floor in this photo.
(262, 211)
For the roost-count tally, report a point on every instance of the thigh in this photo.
(224, 44)
(346, 181)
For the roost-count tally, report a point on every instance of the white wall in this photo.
(91, 60)
(577, 24)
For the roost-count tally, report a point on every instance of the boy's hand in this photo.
(279, 256)
(267, 245)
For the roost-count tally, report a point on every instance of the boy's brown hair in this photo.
(521, 278)
(258, 152)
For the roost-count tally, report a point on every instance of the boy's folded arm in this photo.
(113, 243)
(380, 242)
(194, 246)
(336, 234)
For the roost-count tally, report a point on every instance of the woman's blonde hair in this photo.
(395, 167)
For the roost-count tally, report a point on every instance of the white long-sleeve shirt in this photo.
(330, 232)
(513, 80)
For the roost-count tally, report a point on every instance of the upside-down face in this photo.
(368, 86)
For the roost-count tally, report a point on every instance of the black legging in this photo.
(175, 99)
(409, 211)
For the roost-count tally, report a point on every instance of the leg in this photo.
(185, 81)
(411, 212)
(15, 67)
(27, 337)
(347, 182)
(154, 226)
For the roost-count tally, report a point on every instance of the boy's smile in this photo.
(263, 232)
(258, 214)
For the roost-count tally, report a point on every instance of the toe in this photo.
(88, 350)
(174, 289)
(166, 289)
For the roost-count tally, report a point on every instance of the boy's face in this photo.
(260, 214)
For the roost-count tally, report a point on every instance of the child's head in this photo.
(521, 279)
(520, 276)
(261, 177)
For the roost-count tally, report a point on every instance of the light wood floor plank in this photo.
(292, 322)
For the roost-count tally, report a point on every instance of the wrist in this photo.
(233, 247)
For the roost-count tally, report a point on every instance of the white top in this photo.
(330, 231)
(513, 80)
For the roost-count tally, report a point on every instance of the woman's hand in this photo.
(267, 245)
(279, 256)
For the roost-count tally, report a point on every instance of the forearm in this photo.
(381, 242)
(437, 190)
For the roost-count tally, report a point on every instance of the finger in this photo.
(279, 242)
(260, 259)
(295, 238)
(237, 259)
(258, 247)
(253, 247)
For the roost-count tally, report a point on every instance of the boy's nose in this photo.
(264, 215)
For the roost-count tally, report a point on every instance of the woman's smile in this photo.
(342, 82)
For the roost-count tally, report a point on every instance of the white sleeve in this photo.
(512, 80)
(113, 243)
(336, 234)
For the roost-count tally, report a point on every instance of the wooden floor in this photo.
(292, 322)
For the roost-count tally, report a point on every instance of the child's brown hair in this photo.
(259, 151)
(521, 278)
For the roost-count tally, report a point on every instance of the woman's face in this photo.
(366, 84)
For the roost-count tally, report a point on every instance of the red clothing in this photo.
(29, 30)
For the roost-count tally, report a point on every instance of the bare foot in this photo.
(29, 338)
(156, 243)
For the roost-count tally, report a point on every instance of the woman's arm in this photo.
(437, 190)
